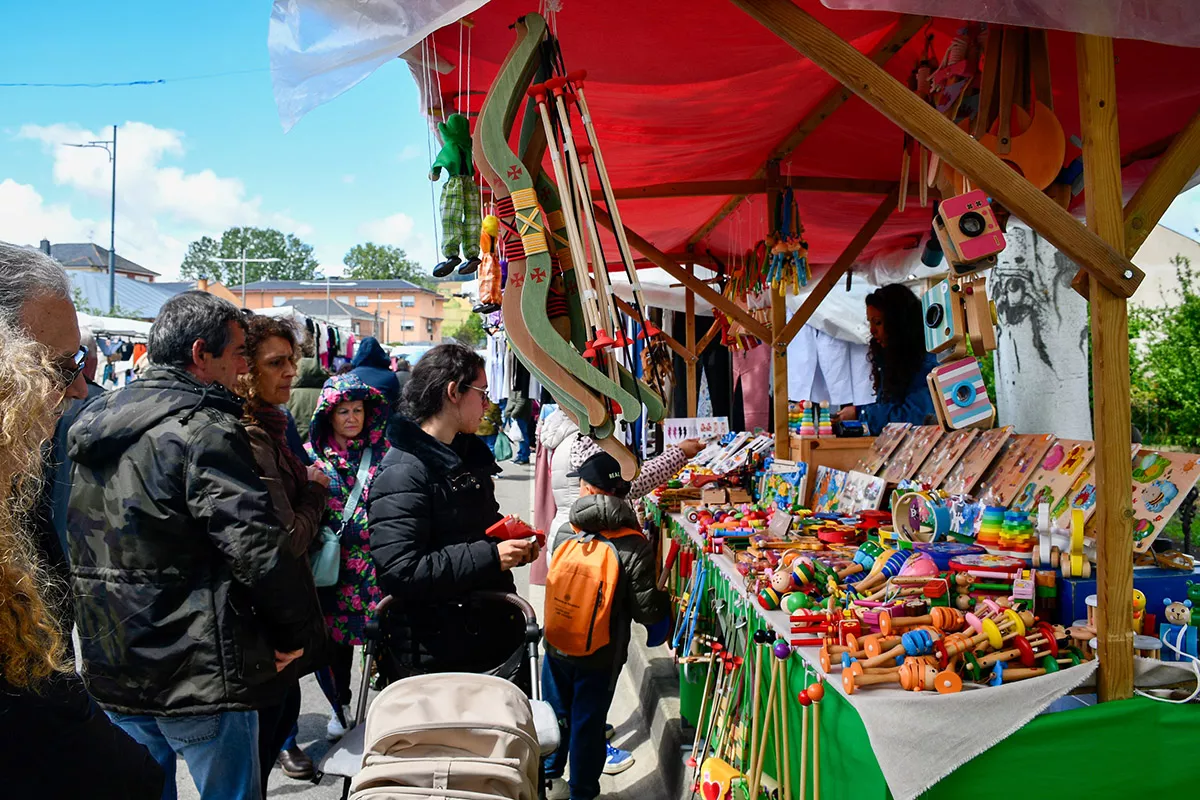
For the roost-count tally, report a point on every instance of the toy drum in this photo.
(1148, 647)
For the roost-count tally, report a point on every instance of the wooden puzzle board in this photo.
(912, 452)
(980, 454)
(1160, 482)
(1014, 468)
(861, 492)
(943, 458)
(827, 489)
(1053, 478)
(885, 444)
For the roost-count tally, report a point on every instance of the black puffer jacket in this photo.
(637, 598)
(183, 582)
(429, 508)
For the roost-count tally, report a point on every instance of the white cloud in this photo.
(399, 229)
(409, 153)
(160, 206)
(347, 179)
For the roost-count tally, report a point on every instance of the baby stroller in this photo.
(452, 734)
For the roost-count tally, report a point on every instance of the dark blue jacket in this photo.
(373, 367)
(913, 407)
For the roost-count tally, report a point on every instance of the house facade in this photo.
(399, 311)
(89, 257)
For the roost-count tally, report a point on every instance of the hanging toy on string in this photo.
(490, 282)
(460, 203)
(788, 269)
(920, 81)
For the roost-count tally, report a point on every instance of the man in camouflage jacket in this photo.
(189, 605)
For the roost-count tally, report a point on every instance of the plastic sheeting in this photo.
(321, 48)
(1166, 21)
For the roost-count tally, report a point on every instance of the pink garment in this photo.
(753, 369)
(544, 510)
(350, 346)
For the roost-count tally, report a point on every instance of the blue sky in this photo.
(197, 156)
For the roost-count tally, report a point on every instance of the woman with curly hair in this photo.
(346, 442)
(45, 711)
(899, 361)
(298, 493)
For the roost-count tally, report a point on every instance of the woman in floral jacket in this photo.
(349, 421)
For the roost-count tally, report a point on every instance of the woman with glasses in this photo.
(430, 509)
(346, 442)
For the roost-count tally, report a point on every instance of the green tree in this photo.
(296, 260)
(1164, 349)
(383, 262)
(471, 332)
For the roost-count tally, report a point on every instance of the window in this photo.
(362, 301)
(278, 300)
(343, 298)
(408, 301)
(408, 325)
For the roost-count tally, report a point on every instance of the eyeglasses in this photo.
(68, 368)
(481, 389)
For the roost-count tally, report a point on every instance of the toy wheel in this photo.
(1018, 623)
(1026, 649)
(973, 667)
(1055, 557)
(885, 623)
(947, 682)
(1073, 654)
(826, 659)
(943, 657)
(1087, 568)
(1051, 640)
(848, 682)
(1049, 664)
(853, 642)
(993, 634)
(872, 645)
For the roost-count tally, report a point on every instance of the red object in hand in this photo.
(514, 528)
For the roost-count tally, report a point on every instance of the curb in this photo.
(655, 680)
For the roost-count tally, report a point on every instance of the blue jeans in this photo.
(580, 698)
(523, 447)
(221, 751)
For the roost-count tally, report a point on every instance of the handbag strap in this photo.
(360, 483)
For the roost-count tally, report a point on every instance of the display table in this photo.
(885, 742)
(828, 451)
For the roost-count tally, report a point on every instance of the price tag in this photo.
(1023, 587)
(779, 525)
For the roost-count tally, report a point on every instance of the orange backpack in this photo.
(580, 588)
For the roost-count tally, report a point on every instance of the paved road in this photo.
(514, 490)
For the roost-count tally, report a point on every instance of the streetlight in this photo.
(112, 227)
(244, 261)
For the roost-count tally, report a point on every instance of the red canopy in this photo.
(700, 91)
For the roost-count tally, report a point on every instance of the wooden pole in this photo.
(684, 276)
(952, 144)
(839, 268)
(693, 390)
(1161, 186)
(891, 43)
(1110, 373)
(707, 339)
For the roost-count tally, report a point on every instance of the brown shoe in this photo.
(296, 764)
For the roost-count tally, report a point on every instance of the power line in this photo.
(123, 84)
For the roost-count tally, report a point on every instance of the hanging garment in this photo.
(752, 369)
(828, 370)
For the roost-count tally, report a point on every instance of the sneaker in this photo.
(609, 731)
(617, 761)
(335, 729)
(558, 789)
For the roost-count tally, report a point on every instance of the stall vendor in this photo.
(899, 361)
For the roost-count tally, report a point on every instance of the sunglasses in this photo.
(68, 368)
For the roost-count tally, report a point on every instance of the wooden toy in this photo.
(1147, 647)
(716, 779)
(1014, 467)
(1160, 482)
(886, 441)
(860, 492)
(1037, 152)
(828, 489)
(1074, 562)
(969, 234)
(980, 314)
(1052, 480)
(959, 395)
(945, 321)
(912, 453)
(987, 446)
(950, 448)
(920, 517)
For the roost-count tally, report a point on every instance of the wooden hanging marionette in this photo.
(920, 81)
(460, 202)
(789, 250)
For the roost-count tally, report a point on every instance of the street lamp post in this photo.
(244, 261)
(112, 226)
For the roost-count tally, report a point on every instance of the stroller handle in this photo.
(512, 599)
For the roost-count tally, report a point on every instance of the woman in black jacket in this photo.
(430, 507)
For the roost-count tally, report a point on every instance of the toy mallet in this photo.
(714, 665)
(756, 781)
(786, 768)
(761, 637)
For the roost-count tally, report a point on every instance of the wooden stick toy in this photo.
(714, 665)
(761, 749)
(785, 724)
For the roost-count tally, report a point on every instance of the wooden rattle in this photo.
(943, 618)
(913, 643)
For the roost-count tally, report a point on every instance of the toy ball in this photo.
(804, 699)
(782, 581)
(919, 566)
(491, 225)
(768, 598)
(796, 601)
(781, 649)
(816, 692)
